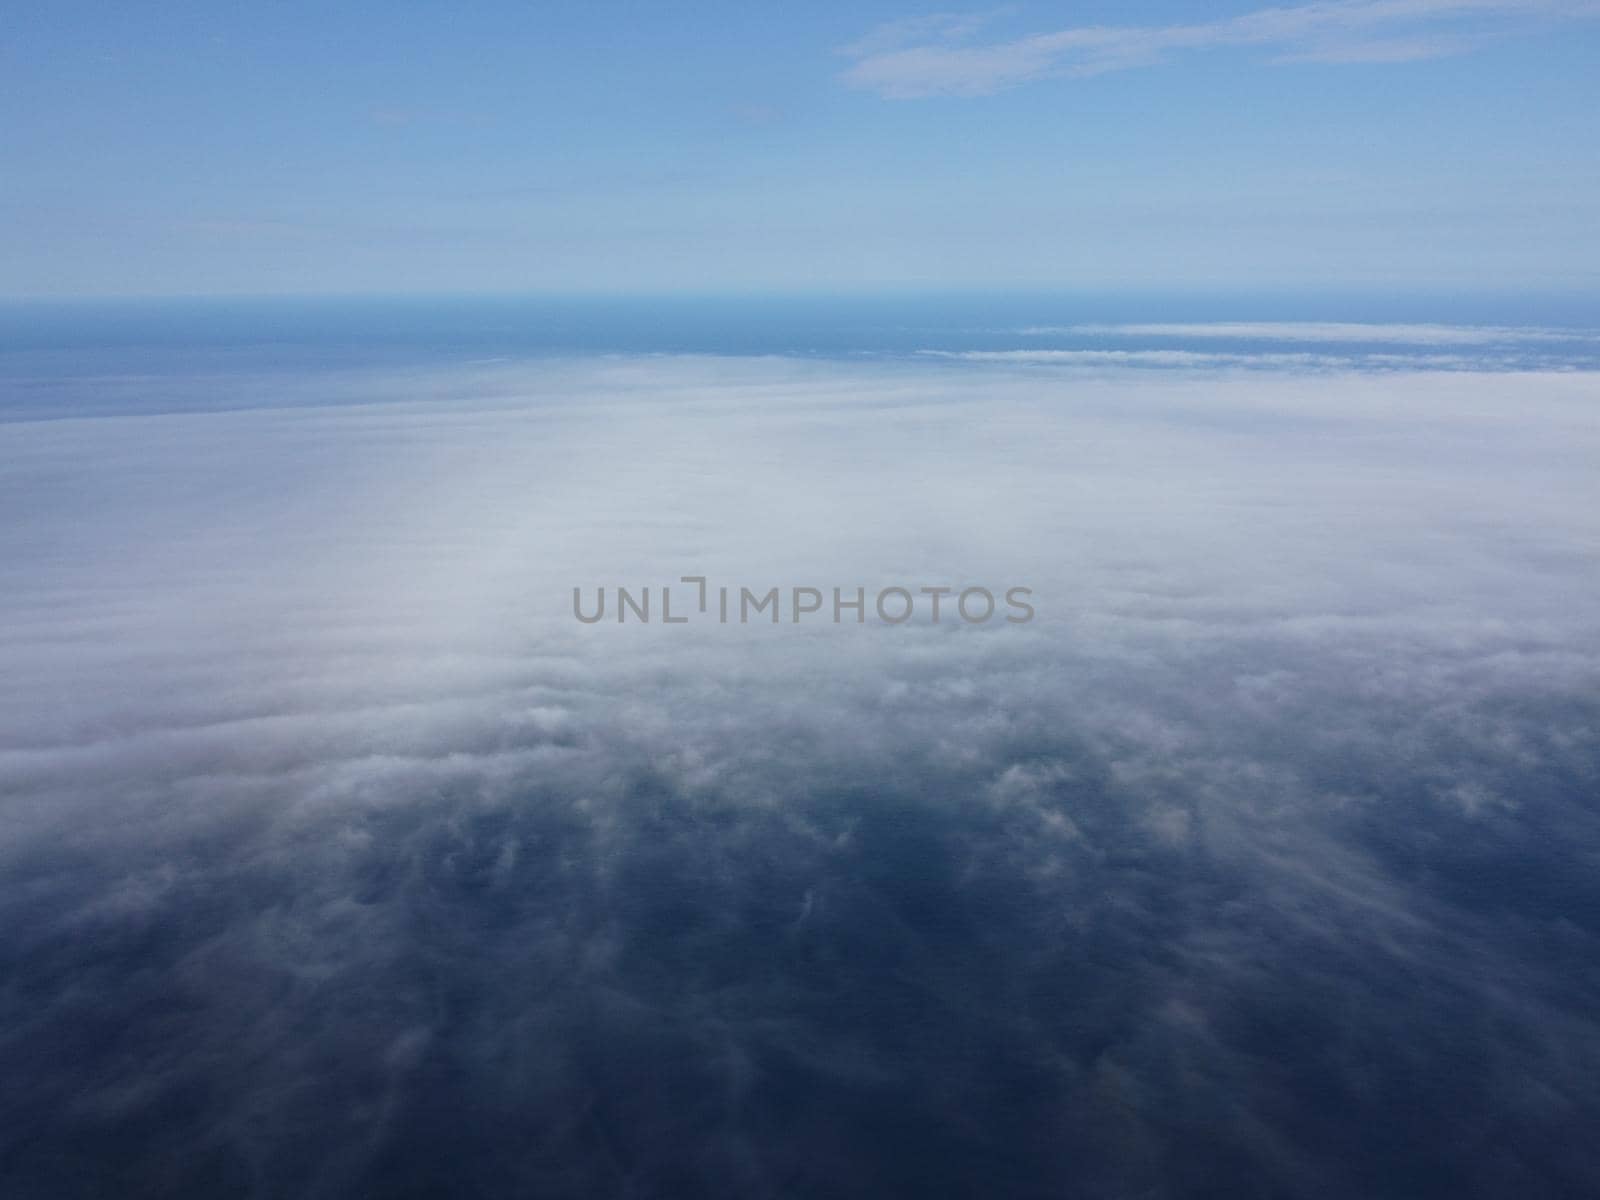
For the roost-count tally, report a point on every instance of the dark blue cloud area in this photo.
(340, 861)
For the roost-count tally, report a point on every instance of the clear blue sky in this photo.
(172, 148)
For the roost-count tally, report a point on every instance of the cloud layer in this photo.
(338, 859)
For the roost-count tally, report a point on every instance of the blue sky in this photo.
(423, 147)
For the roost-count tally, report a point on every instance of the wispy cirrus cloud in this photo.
(935, 29)
(938, 56)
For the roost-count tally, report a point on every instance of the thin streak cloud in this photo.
(910, 60)
(1326, 331)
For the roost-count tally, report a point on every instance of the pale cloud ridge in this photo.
(934, 56)
(1326, 331)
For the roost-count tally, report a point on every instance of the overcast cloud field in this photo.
(339, 859)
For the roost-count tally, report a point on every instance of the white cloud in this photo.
(1326, 331)
(910, 31)
(320, 806)
(896, 63)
